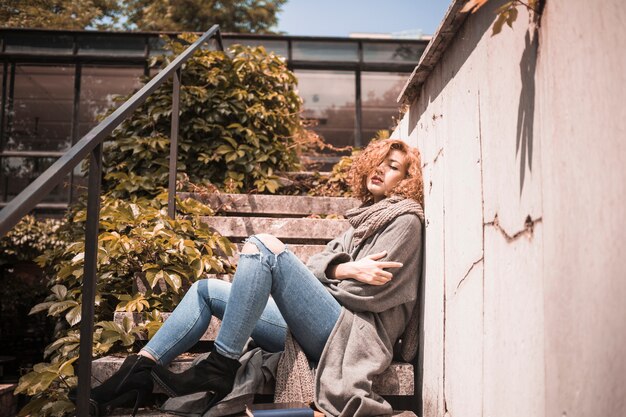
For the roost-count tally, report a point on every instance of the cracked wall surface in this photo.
(524, 200)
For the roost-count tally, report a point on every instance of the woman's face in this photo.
(387, 175)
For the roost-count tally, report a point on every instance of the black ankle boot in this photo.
(215, 373)
(130, 386)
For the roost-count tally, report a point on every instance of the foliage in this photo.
(21, 286)
(58, 14)
(507, 13)
(248, 16)
(238, 114)
(29, 239)
(138, 244)
(334, 184)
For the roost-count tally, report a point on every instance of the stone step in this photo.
(289, 230)
(397, 380)
(303, 252)
(274, 205)
(121, 412)
(8, 402)
(157, 413)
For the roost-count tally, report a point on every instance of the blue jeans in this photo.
(298, 301)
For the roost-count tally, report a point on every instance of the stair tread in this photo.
(292, 230)
(158, 413)
(145, 412)
(7, 387)
(396, 380)
(305, 236)
(303, 252)
(275, 204)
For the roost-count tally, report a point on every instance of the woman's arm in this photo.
(367, 269)
(401, 240)
(335, 253)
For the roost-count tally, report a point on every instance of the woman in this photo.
(364, 287)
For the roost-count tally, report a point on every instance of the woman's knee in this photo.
(199, 288)
(249, 247)
(195, 287)
(216, 288)
(271, 242)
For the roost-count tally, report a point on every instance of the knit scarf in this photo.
(367, 220)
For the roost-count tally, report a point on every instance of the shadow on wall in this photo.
(526, 106)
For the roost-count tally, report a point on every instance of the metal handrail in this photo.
(91, 145)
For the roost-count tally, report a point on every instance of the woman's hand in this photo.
(367, 269)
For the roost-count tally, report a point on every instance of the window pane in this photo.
(111, 45)
(325, 51)
(401, 52)
(157, 46)
(379, 92)
(17, 173)
(212, 44)
(278, 47)
(329, 100)
(39, 43)
(42, 108)
(99, 87)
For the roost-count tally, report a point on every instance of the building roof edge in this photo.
(440, 41)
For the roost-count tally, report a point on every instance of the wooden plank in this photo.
(275, 205)
(289, 230)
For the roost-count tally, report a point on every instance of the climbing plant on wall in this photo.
(507, 13)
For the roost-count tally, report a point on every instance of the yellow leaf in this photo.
(497, 26)
(512, 17)
(66, 368)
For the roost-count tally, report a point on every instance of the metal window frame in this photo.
(78, 60)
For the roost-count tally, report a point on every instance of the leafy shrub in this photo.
(22, 284)
(336, 184)
(137, 242)
(238, 117)
(238, 114)
(29, 239)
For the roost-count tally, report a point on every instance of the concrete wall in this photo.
(523, 137)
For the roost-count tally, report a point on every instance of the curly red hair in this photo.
(366, 162)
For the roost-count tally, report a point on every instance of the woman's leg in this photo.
(267, 267)
(191, 318)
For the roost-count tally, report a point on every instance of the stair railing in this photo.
(91, 145)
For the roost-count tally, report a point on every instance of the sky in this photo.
(341, 17)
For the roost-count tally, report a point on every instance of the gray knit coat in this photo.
(372, 318)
